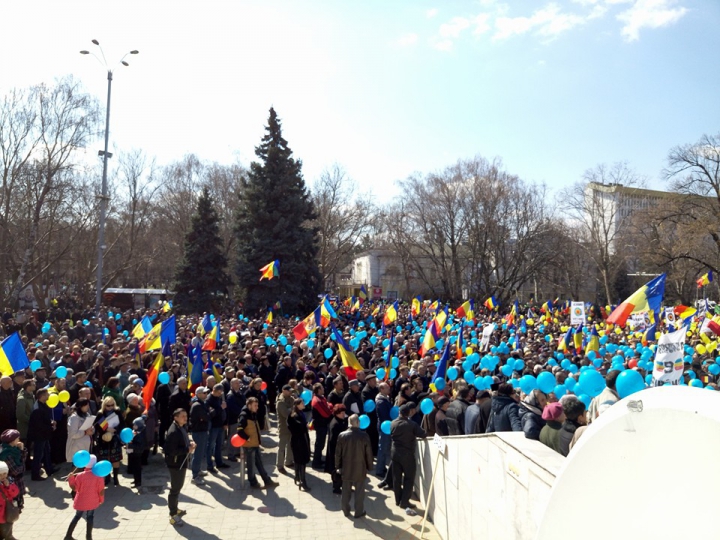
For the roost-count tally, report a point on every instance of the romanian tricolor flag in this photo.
(167, 306)
(152, 375)
(705, 279)
(362, 295)
(578, 339)
(12, 355)
(415, 307)
(684, 312)
(269, 317)
(441, 370)
(593, 343)
(649, 335)
(204, 326)
(390, 314)
(460, 351)
(646, 298)
(566, 342)
(376, 311)
(195, 370)
(434, 306)
(432, 334)
(491, 303)
(510, 317)
(466, 310)
(160, 334)
(547, 307)
(143, 327)
(349, 360)
(356, 305)
(278, 307)
(270, 270)
(321, 317)
(212, 341)
(389, 354)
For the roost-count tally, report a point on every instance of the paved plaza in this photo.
(221, 509)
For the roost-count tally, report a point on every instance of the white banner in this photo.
(668, 364)
(577, 313)
(487, 332)
(639, 321)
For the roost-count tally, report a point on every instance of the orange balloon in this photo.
(237, 441)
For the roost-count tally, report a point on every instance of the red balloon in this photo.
(263, 386)
(633, 363)
(237, 441)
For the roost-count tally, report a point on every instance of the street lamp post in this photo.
(105, 155)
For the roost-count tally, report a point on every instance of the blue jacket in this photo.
(503, 415)
(382, 407)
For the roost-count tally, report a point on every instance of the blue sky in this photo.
(385, 88)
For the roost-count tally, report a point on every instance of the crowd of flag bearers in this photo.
(394, 370)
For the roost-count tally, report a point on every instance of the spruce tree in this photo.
(274, 221)
(201, 280)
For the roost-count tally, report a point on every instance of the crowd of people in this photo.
(83, 392)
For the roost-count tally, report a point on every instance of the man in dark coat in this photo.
(353, 460)
(180, 398)
(369, 393)
(337, 425)
(504, 411)
(178, 448)
(574, 410)
(455, 415)
(8, 418)
(353, 399)
(404, 433)
(478, 414)
(199, 428)
(165, 413)
(40, 430)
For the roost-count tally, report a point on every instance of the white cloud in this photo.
(453, 28)
(430, 13)
(548, 21)
(482, 23)
(649, 14)
(407, 39)
(443, 45)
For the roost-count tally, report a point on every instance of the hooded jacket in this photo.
(531, 417)
(503, 415)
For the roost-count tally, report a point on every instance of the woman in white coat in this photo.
(77, 439)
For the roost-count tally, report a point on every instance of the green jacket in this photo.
(25, 404)
(550, 435)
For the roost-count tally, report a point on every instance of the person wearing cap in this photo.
(89, 492)
(180, 397)
(338, 424)
(14, 453)
(78, 439)
(284, 405)
(554, 417)
(441, 424)
(353, 460)
(478, 414)
(338, 393)
(41, 380)
(8, 492)
(404, 433)
(199, 429)
(353, 399)
(249, 430)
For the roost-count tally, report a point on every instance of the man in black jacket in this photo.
(165, 413)
(180, 398)
(177, 449)
(353, 399)
(40, 430)
(404, 433)
(199, 428)
(216, 410)
(235, 400)
(455, 415)
(353, 459)
(369, 393)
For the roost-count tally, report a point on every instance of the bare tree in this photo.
(344, 217)
(600, 209)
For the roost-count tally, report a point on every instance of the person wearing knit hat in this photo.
(550, 433)
(14, 454)
(9, 491)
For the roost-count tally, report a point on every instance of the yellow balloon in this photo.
(64, 396)
(710, 347)
(563, 328)
(688, 333)
(432, 387)
(468, 351)
(233, 337)
(700, 348)
(657, 335)
(53, 401)
(638, 334)
(693, 326)
(448, 327)
(555, 320)
(530, 322)
(618, 331)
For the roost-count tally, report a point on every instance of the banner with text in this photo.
(668, 364)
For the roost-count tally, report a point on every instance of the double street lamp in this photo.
(105, 155)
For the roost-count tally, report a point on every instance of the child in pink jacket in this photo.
(89, 494)
(8, 492)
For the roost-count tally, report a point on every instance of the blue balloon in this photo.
(573, 369)
(394, 412)
(488, 380)
(469, 377)
(35, 365)
(697, 383)
(629, 382)
(288, 348)
(369, 406)
(126, 435)
(373, 340)
(81, 459)
(328, 353)
(559, 391)
(565, 364)
(126, 333)
(570, 383)
(714, 369)
(528, 383)
(479, 383)
(395, 362)
(690, 374)
(364, 421)
(283, 340)
(585, 399)
(86, 322)
(306, 396)
(519, 365)
(393, 373)
(310, 344)
(439, 384)
(380, 373)
(164, 377)
(61, 372)
(102, 468)
(591, 355)
(385, 427)
(427, 405)
(46, 327)
(268, 341)
(546, 382)
(592, 382)
(452, 373)
(507, 370)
